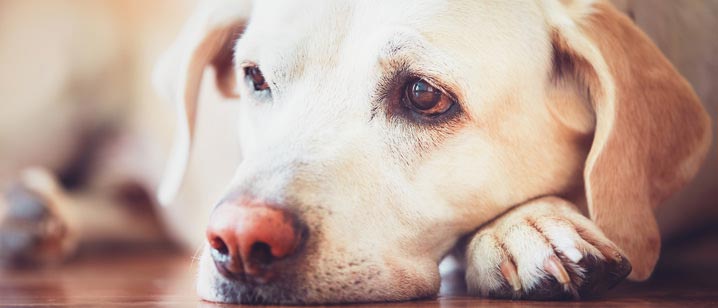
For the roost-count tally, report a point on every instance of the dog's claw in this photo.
(553, 266)
(508, 270)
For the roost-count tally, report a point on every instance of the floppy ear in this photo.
(206, 40)
(651, 132)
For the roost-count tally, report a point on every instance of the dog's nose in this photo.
(248, 239)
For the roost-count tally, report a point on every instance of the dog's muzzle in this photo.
(251, 240)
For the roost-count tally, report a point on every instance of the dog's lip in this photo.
(243, 289)
(248, 276)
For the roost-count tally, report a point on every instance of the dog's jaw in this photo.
(352, 282)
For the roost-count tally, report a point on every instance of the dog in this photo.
(532, 139)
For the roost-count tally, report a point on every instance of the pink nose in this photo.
(249, 238)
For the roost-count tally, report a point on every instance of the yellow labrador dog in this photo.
(533, 139)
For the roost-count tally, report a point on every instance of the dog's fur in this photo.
(571, 128)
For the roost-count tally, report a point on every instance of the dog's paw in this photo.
(32, 230)
(544, 250)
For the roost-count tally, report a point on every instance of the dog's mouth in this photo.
(287, 289)
(255, 284)
(252, 274)
(280, 291)
(253, 293)
(322, 281)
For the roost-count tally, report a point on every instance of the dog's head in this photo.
(374, 135)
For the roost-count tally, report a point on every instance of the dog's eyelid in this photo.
(406, 72)
(254, 76)
(247, 63)
(443, 88)
(409, 58)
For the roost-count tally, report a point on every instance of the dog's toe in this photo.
(543, 256)
(602, 274)
(32, 232)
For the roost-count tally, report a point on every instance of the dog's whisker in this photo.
(196, 256)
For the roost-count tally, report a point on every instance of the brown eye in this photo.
(256, 77)
(426, 99)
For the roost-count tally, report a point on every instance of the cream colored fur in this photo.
(507, 150)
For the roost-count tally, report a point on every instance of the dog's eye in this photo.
(423, 98)
(256, 77)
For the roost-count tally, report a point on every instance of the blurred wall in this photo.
(71, 66)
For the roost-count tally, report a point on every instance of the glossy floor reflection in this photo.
(161, 277)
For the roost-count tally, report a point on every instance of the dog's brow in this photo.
(279, 65)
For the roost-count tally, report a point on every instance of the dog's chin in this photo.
(290, 289)
(237, 293)
(242, 293)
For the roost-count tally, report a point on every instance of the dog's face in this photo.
(385, 187)
(390, 129)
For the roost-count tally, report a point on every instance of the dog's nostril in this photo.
(248, 240)
(261, 253)
(219, 246)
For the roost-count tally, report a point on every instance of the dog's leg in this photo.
(542, 250)
(40, 223)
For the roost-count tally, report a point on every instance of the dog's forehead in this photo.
(289, 36)
(283, 33)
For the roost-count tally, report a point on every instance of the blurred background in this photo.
(64, 60)
(77, 99)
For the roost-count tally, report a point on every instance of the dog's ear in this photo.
(651, 132)
(207, 40)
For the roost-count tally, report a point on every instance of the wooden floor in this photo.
(154, 277)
